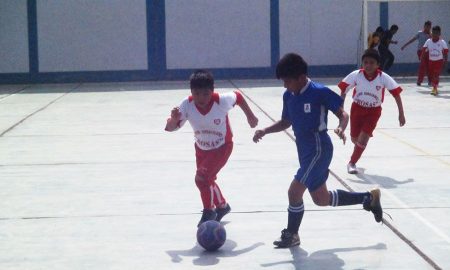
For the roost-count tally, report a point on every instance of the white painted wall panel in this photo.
(217, 34)
(13, 36)
(325, 32)
(85, 35)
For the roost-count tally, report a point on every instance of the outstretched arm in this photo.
(251, 118)
(409, 42)
(343, 122)
(401, 114)
(276, 127)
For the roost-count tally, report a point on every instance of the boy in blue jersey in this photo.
(305, 108)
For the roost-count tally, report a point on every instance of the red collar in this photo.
(377, 73)
(214, 98)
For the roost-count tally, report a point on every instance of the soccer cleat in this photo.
(351, 168)
(418, 83)
(287, 239)
(221, 212)
(373, 204)
(208, 214)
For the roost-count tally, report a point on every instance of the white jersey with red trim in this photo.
(211, 125)
(436, 50)
(369, 92)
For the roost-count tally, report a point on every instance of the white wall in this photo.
(108, 35)
(219, 33)
(13, 36)
(410, 17)
(324, 32)
(86, 35)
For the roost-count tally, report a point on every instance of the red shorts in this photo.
(210, 162)
(363, 119)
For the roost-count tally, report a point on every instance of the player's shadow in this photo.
(382, 181)
(203, 257)
(322, 259)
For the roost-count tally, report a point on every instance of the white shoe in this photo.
(351, 168)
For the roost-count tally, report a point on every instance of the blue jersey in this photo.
(308, 113)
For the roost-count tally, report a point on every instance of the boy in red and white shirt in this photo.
(207, 112)
(369, 84)
(437, 52)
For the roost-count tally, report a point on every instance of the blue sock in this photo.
(295, 215)
(341, 197)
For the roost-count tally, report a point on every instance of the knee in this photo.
(321, 200)
(200, 180)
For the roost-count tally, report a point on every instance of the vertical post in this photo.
(156, 38)
(365, 25)
(274, 32)
(384, 15)
(32, 37)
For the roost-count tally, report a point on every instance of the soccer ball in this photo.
(211, 235)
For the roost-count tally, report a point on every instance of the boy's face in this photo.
(294, 84)
(435, 34)
(202, 96)
(370, 65)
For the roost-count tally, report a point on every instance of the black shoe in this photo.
(221, 212)
(373, 205)
(418, 83)
(287, 239)
(208, 214)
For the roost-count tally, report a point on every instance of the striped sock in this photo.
(295, 215)
(341, 197)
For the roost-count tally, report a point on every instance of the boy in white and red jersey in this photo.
(207, 112)
(437, 52)
(368, 84)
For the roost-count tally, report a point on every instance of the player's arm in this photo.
(173, 123)
(343, 122)
(275, 127)
(251, 118)
(401, 113)
(346, 84)
(409, 42)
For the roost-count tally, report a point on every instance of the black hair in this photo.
(291, 65)
(371, 53)
(379, 29)
(201, 79)
(427, 23)
(394, 27)
(436, 28)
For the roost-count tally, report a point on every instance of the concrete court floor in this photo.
(89, 180)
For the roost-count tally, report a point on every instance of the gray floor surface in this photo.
(90, 180)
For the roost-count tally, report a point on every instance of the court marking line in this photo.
(15, 92)
(386, 222)
(418, 149)
(341, 209)
(38, 110)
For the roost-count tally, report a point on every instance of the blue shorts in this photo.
(315, 155)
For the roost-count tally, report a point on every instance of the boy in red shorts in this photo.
(368, 84)
(207, 112)
(437, 51)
